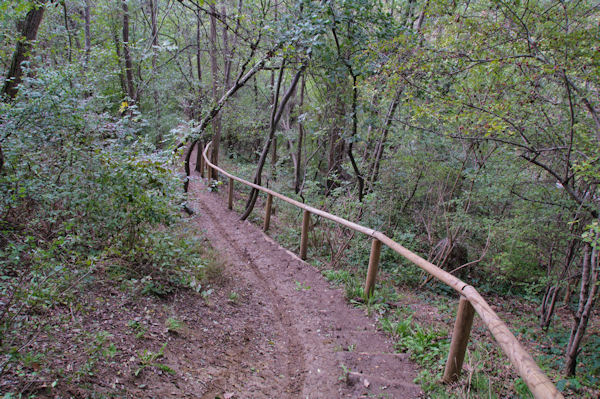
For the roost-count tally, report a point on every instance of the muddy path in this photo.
(320, 347)
(264, 324)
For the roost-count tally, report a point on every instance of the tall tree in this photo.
(27, 30)
(87, 32)
(131, 93)
(214, 68)
(276, 113)
(381, 143)
(587, 298)
(68, 30)
(299, 142)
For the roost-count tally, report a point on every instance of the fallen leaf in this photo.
(228, 395)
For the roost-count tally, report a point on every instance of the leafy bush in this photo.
(80, 190)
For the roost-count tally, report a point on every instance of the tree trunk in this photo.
(384, 134)
(568, 292)
(227, 62)
(127, 54)
(188, 172)
(153, 6)
(120, 61)
(1, 159)
(336, 147)
(236, 36)
(227, 54)
(587, 296)
(273, 98)
(257, 179)
(198, 47)
(298, 165)
(368, 148)
(359, 178)
(199, 149)
(255, 90)
(552, 291)
(28, 33)
(214, 111)
(276, 114)
(215, 85)
(548, 306)
(88, 36)
(274, 159)
(198, 107)
(70, 40)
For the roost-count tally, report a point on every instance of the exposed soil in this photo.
(306, 340)
(268, 326)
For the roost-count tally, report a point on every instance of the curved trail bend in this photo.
(315, 336)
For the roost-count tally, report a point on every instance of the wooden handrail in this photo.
(539, 384)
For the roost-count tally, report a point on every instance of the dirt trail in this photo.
(317, 346)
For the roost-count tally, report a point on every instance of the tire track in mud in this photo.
(295, 354)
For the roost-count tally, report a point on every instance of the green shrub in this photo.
(82, 190)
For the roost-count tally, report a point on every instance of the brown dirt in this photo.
(272, 327)
(311, 343)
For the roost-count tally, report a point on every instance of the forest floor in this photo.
(265, 325)
(294, 335)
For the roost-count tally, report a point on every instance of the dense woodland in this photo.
(467, 130)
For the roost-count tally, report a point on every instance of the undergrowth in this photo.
(86, 202)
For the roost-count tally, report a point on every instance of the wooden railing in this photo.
(470, 300)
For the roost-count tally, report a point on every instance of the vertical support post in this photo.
(268, 212)
(304, 236)
(460, 339)
(230, 196)
(373, 266)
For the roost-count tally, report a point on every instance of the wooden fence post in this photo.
(304, 236)
(230, 196)
(460, 339)
(373, 266)
(268, 212)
